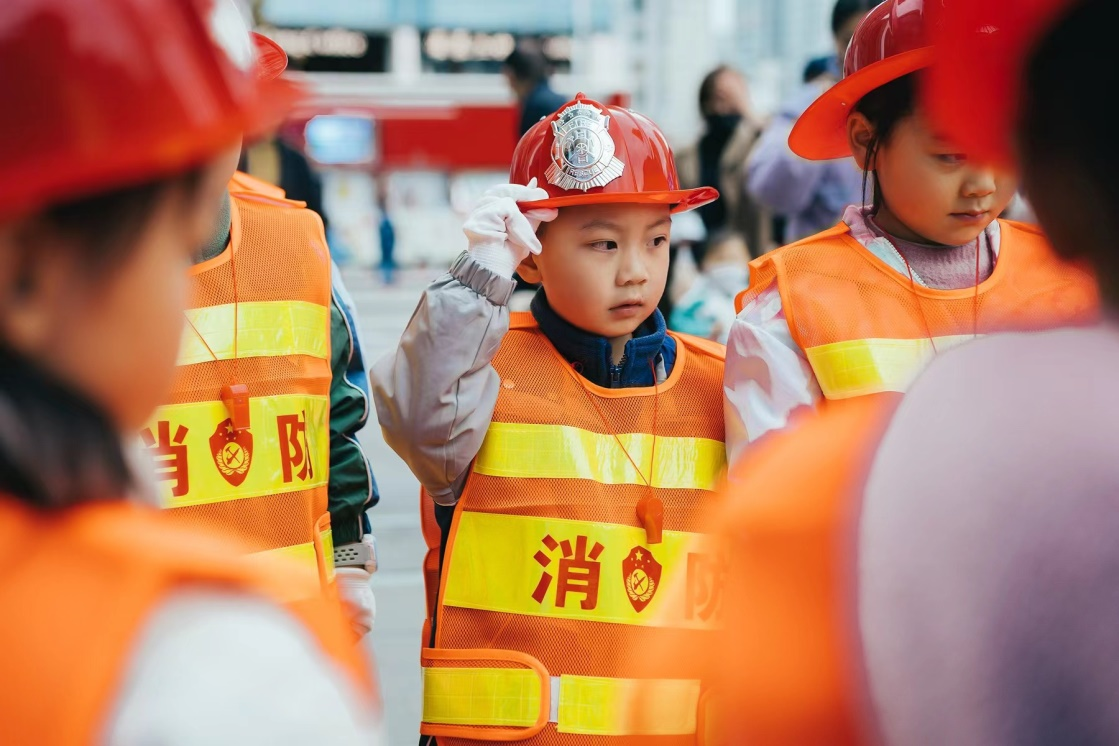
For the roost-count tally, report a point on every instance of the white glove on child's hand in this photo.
(357, 598)
(499, 235)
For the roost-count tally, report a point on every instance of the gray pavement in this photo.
(395, 641)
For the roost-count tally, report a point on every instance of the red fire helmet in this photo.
(102, 94)
(891, 41)
(591, 153)
(973, 92)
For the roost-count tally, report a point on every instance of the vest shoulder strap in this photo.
(698, 345)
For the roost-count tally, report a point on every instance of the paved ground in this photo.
(384, 311)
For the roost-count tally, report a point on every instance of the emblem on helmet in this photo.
(583, 151)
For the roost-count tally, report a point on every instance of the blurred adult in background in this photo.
(687, 241)
(527, 70)
(387, 235)
(707, 308)
(272, 160)
(718, 159)
(124, 628)
(811, 195)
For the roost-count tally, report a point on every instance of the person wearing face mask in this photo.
(718, 159)
(807, 195)
(707, 308)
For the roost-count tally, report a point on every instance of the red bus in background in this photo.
(424, 163)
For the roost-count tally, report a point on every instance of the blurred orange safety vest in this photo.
(243, 441)
(786, 669)
(66, 648)
(866, 329)
(549, 575)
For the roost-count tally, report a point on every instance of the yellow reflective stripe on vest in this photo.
(563, 452)
(871, 366)
(481, 696)
(599, 706)
(305, 553)
(264, 329)
(589, 705)
(199, 460)
(599, 572)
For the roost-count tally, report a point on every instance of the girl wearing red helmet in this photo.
(120, 627)
(859, 309)
(567, 453)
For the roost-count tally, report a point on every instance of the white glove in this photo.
(499, 235)
(357, 598)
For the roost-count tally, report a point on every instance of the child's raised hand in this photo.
(499, 235)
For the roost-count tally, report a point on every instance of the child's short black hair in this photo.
(527, 64)
(884, 108)
(106, 226)
(842, 11)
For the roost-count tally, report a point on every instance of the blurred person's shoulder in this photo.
(1020, 400)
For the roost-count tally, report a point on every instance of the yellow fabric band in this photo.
(563, 452)
(199, 460)
(600, 572)
(264, 329)
(871, 366)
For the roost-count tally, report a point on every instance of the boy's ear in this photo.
(860, 135)
(528, 270)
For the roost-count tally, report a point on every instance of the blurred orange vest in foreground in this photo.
(258, 464)
(549, 575)
(787, 669)
(866, 329)
(67, 645)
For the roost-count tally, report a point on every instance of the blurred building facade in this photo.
(408, 95)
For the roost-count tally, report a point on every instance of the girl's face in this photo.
(112, 332)
(931, 192)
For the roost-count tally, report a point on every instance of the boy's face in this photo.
(604, 267)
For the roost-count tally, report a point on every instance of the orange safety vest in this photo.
(255, 461)
(866, 329)
(548, 573)
(78, 587)
(787, 669)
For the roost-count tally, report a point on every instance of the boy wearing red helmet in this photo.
(568, 451)
(859, 309)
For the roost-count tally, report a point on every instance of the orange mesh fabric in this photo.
(277, 253)
(834, 290)
(265, 522)
(121, 561)
(787, 670)
(539, 387)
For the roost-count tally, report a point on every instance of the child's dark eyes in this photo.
(658, 242)
(951, 159)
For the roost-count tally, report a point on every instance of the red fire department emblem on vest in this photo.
(642, 575)
(232, 451)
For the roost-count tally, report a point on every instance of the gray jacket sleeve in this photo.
(436, 392)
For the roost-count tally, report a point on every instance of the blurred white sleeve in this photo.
(218, 668)
(767, 375)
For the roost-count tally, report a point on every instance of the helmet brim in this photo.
(680, 200)
(820, 133)
(276, 96)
